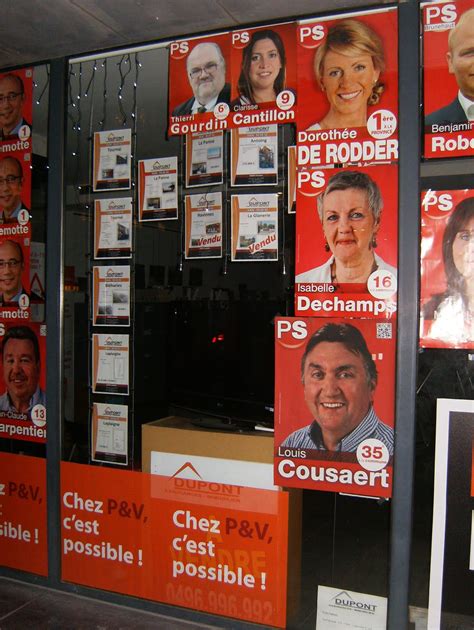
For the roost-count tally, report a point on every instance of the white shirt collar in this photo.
(209, 106)
(467, 105)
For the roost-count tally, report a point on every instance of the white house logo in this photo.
(203, 203)
(112, 274)
(255, 203)
(188, 478)
(157, 166)
(346, 601)
(113, 138)
(111, 342)
(116, 206)
(111, 412)
(186, 468)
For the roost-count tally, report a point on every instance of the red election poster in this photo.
(16, 104)
(15, 187)
(334, 405)
(346, 241)
(23, 381)
(23, 535)
(348, 89)
(448, 98)
(209, 546)
(15, 296)
(199, 84)
(447, 269)
(263, 63)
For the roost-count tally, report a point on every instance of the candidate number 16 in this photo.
(383, 283)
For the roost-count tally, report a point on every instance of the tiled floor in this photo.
(29, 607)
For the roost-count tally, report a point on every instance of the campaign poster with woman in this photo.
(199, 84)
(335, 404)
(447, 269)
(448, 79)
(348, 89)
(346, 241)
(263, 62)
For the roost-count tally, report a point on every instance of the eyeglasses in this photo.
(465, 236)
(12, 263)
(9, 179)
(208, 68)
(12, 96)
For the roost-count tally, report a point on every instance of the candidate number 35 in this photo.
(372, 452)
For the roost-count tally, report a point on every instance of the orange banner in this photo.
(23, 540)
(149, 536)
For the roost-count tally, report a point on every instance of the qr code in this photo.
(384, 331)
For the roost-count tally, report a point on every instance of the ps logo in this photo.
(444, 14)
(179, 49)
(296, 328)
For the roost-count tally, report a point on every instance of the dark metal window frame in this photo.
(408, 299)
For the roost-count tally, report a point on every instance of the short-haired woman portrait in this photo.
(350, 211)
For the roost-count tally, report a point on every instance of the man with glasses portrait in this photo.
(11, 184)
(12, 265)
(12, 97)
(205, 67)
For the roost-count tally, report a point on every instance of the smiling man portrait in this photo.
(206, 69)
(21, 371)
(12, 98)
(339, 379)
(12, 265)
(11, 184)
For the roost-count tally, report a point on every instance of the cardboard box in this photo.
(177, 435)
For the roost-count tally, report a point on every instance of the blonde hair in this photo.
(352, 37)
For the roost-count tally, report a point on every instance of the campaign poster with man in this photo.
(334, 404)
(199, 84)
(15, 293)
(447, 269)
(16, 104)
(348, 89)
(263, 71)
(448, 79)
(346, 241)
(23, 381)
(15, 187)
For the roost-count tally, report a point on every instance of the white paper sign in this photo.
(112, 160)
(347, 609)
(254, 156)
(158, 189)
(111, 296)
(204, 158)
(203, 225)
(110, 360)
(113, 228)
(213, 469)
(110, 433)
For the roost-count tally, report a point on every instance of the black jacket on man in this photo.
(450, 114)
(185, 108)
